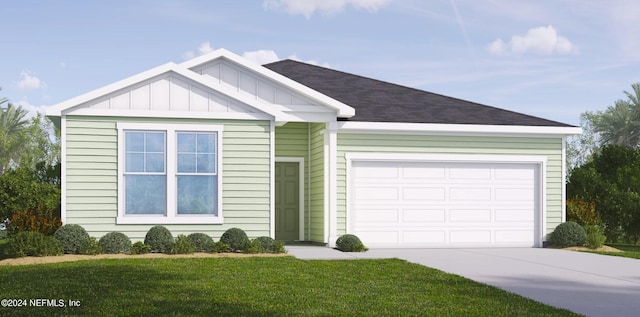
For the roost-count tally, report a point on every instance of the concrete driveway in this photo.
(589, 284)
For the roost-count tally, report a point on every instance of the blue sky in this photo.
(549, 58)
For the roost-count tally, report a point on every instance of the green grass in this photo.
(258, 286)
(629, 251)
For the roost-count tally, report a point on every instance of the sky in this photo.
(549, 58)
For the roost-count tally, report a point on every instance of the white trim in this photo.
(63, 169)
(454, 129)
(300, 161)
(327, 176)
(564, 180)
(172, 217)
(170, 114)
(342, 109)
(272, 178)
(539, 161)
(333, 183)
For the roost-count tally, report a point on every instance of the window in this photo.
(169, 173)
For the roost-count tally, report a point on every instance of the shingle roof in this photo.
(379, 101)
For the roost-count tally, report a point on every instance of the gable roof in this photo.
(379, 101)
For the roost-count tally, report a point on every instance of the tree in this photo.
(620, 124)
(26, 142)
(611, 180)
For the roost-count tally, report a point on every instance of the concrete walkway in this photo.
(589, 284)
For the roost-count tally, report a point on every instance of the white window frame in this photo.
(172, 216)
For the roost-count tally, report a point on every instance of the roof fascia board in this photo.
(455, 129)
(343, 110)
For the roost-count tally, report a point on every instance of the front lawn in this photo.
(274, 286)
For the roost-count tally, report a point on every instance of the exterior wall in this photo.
(550, 147)
(292, 140)
(317, 192)
(92, 188)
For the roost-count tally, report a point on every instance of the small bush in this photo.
(568, 234)
(278, 247)
(202, 242)
(266, 243)
(160, 239)
(140, 248)
(350, 243)
(33, 243)
(253, 246)
(595, 237)
(3, 234)
(220, 247)
(582, 212)
(90, 246)
(115, 242)
(39, 219)
(236, 238)
(71, 236)
(183, 245)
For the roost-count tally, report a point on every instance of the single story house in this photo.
(305, 153)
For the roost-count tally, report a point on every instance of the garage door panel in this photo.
(423, 215)
(470, 215)
(443, 204)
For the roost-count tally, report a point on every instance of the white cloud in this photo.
(28, 81)
(309, 7)
(205, 47)
(541, 40)
(261, 57)
(33, 109)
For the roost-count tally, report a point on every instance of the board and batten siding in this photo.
(472, 145)
(292, 140)
(92, 175)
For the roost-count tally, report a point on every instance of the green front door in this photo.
(287, 201)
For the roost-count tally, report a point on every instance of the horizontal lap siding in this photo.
(549, 147)
(317, 182)
(292, 140)
(91, 177)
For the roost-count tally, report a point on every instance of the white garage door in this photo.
(411, 204)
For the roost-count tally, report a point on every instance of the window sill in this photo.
(177, 220)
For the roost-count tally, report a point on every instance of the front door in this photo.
(287, 201)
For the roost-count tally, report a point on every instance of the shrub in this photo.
(40, 219)
(277, 247)
(160, 239)
(236, 238)
(3, 234)
(253, 246)
(582, 212)
(115, 242)
(26, 189)
(140, 248)
(266, 243)
(201, 242)
(568, 234)
(220, 247)
(183, 245)
(350, 243)
(33, 243)
(90, 246)
(595, 236)
(71, 236)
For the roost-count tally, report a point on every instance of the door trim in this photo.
(300, 161)
(539, 160)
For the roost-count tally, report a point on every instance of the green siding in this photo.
(549, 147)
(91, 176)
(292, 140)
(317, 182)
